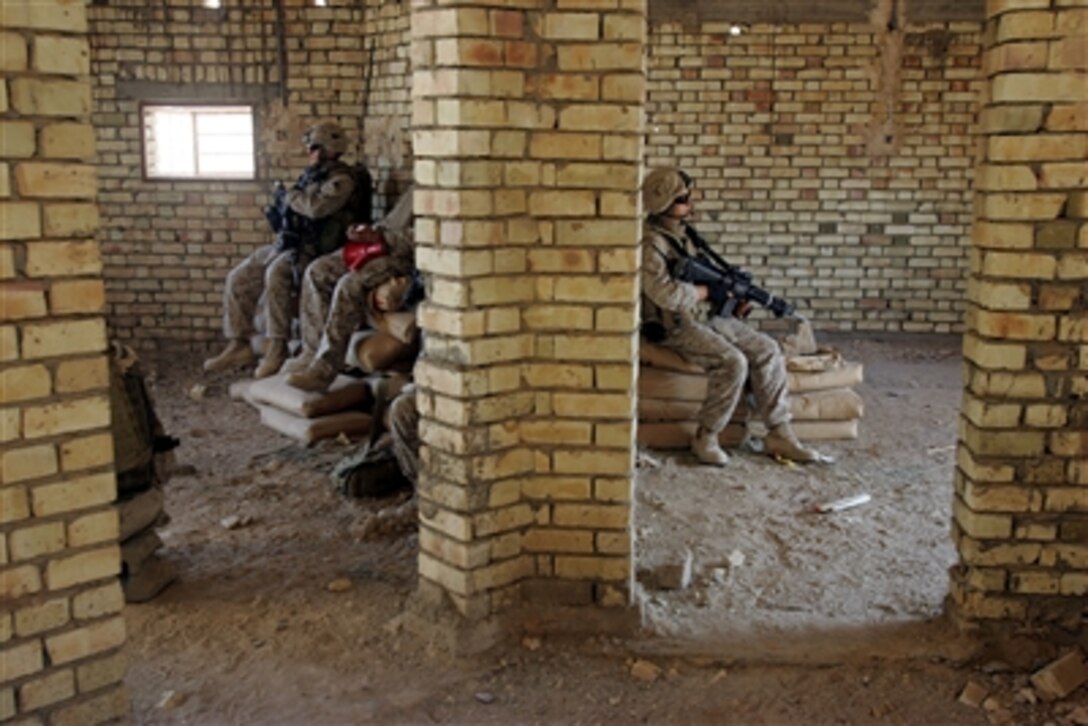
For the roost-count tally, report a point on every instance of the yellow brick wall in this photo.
(833, 160)
(527, 135)
(167, 246)
(60, 619)
(1021, 503)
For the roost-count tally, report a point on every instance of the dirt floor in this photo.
(791, 617)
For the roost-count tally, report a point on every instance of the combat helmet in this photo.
(329, 136)
(661, 188)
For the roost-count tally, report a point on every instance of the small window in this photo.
(198, 142)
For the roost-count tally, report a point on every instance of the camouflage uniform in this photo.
(729, 349)
(266, 278)
(269, 272)
(404, 427)
(335, 301)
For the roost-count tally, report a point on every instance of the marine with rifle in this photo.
(310, 219)
(681, 276)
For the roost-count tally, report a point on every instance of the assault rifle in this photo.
(291, 227)
(728, 286)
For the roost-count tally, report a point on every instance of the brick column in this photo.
(1021, 505)
(527, 123)
(60, 600)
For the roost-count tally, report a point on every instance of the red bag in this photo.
(363, 244)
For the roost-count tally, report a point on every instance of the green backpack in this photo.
(370, 471)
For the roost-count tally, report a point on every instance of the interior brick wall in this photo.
(833, 160)
(1021, 505)
(61, 628)
(168, 245)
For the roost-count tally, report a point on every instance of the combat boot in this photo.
(317, 377)
(274, 356)
(706, 448)
(237, 354)
(300, 362)
(781, 441)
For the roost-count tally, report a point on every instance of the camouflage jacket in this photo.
(321, 194)
(665, 300)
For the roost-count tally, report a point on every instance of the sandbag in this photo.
(400, 325)
(135, 550)
(344, 393)
(825, 430)
(661, 409)
(154, 575)
(375, 351)
(820, 361)
(846, 376)
(140, 511)
(664, 409)
(239, 390)
(836, 404)
(133, 422)
(354, 424)
(671, 385)
(678, 435)
(658, 356)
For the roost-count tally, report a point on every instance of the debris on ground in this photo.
(170, 700)
(197, 391)
(973, 694)
(839, 505)
(645, 460)
(340, 584)
(1061, 677)
(235, 521)
(644, 670)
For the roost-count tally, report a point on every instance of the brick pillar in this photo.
(60, 601)
(1021, 504)
(527, 141)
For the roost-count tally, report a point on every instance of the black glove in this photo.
(287, 241)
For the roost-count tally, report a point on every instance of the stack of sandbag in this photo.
(393, 348)
(309, 416)
(671, 391)
(143, 459)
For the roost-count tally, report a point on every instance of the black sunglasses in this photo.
(685, 199)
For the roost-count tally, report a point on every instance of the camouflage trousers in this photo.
(333, 306)
(265, 280)
(732, 352)
(404, 427)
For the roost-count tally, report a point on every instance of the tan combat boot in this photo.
(706, 448)
(300, 362)
(317, 377)
(781, 441)
(274, 356)
(237, 354)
